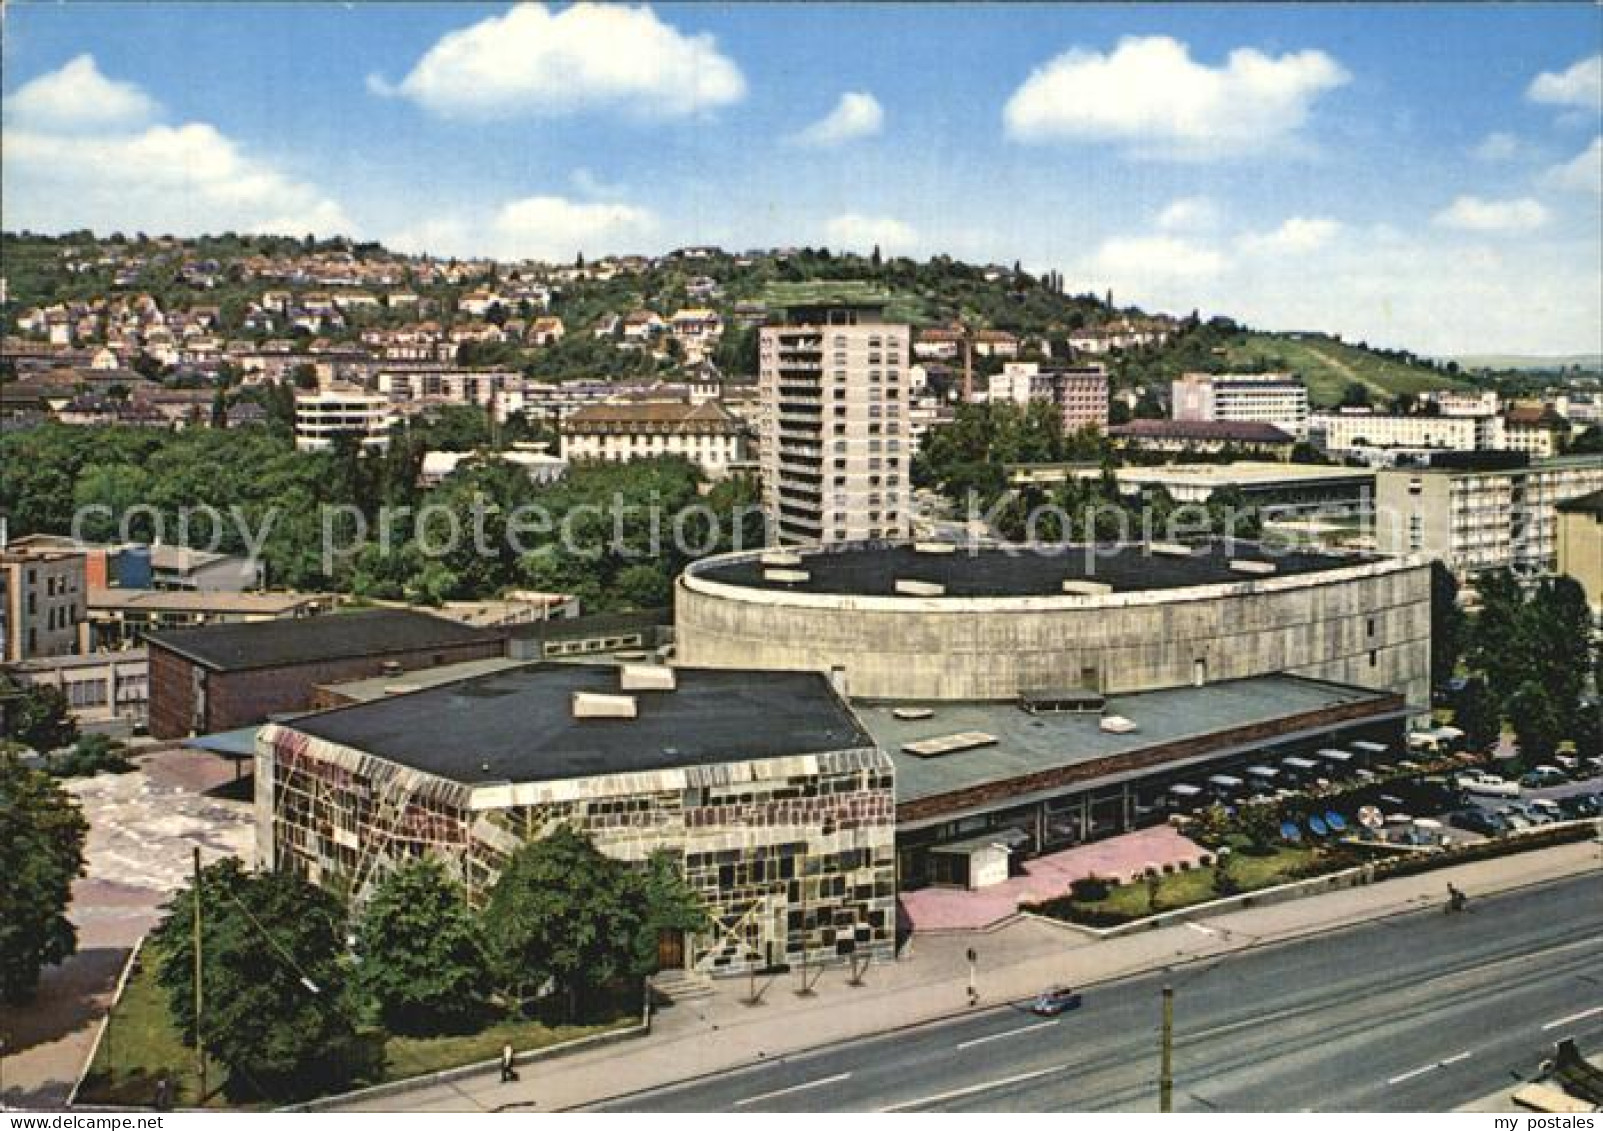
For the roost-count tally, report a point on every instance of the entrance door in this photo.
(670, 949)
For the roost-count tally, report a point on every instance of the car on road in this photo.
(1058, 999)
(1542, 777)
(1482, 784)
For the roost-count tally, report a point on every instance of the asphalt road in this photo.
(1421, 1012)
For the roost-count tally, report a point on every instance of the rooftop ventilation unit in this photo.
(1169, 549)
(786, 576)
(907, 587)
(1247, 565)
(1117, 724)
(646, 677)
(1072, 700)
(780, 558)
(1077, 588)
(949, 744)
(594, 705)
(934, 547)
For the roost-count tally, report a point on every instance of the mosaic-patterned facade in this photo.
(794, 857)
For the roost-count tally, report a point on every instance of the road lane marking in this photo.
(1574, 1017)
(1420, 1071)
(972, 1089)
(1010, 1033)
(793, 1088)
(1200, 929)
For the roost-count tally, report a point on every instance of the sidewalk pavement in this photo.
(721, 1033)
(141, 827)
(948, 909)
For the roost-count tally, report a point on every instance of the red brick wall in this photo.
(244, 698)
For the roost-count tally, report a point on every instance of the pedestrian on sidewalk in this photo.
(509, 1074)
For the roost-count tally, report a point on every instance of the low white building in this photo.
(325, 414)
(707, 434)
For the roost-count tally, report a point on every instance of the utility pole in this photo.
(200, 1044)
(1166, 1054)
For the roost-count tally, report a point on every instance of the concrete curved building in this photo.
(912, 622)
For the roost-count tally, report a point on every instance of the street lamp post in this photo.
(1166, 1054)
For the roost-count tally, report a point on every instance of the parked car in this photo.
(1480, 821)
(1058, 999)
(1542, 777)
(1483, 784)
(1581, 806)
(1516, 821)
(1547, 807)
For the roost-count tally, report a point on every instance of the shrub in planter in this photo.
(1089, 889)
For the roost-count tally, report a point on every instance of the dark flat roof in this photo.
(329, 636)
(518, 725)
(864, 570)
(1584, 504)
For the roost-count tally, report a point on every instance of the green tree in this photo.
(42, 835)
(642, 586)
(1496, 646)
(1446, 625)
(564, 913)
(1538, 721)
(275, 981)
(422, 954)
(1477, 716)
(666, 903)
(1260, 824)
(36, 715)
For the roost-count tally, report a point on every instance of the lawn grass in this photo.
(1328, 366)
(143, 1040)
(1253, 871)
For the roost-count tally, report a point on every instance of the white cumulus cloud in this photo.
(1150, 94)
(1140, 262)
(1580, 85)
(1476, 214)
(533, 62)
(79, 97)
(858, 114)
(1497, 146)
(1582, 173)
(853, 231)
(1299, 234)
(1188, 213)
(550, 228)
(113, 169)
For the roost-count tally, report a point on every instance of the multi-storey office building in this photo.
(43, 598)
(835, 447)
(1280, 399)
(1343, 432)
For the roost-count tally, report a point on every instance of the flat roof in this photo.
(518, 725)
(200, 600)
(331, 636)
(1030, 743)
(388, 686)
(865, 570)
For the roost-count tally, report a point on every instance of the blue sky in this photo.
(1423, 175)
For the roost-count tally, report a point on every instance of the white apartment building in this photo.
(1481, 518)
(1280, 399)
(836, 447)
(1079, 392)
(707, 434)
(444, 384)
(325, 414)
(1352, 431)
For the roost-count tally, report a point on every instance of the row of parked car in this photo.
(1516, 816)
